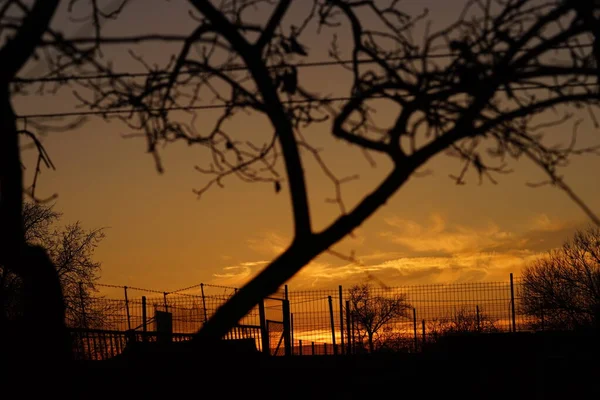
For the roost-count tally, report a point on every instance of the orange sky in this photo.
(160, 236)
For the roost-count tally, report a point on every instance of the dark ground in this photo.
(490, 367)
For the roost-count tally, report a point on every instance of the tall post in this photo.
(82, 305)
(292, 331)
(300, 347)
(204, 302)
(512, 303)
(332, 324)
(341, 305)
(127, 307)
(286, 328)
(264, 334)
(349, 343)
(424, 340)
(312, 346)
(285, 292)
(352, 338)
(144, 323)
(478, 318)
(415, 328)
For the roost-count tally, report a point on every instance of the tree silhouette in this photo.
(371, 312)
(71, 249)
(39, 278)
(27, 38)
(483, 102)
(562, 289)
(483, 105)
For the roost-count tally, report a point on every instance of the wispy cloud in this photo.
(437, 237)
(268, 243)
(431, 252)
(417, 270)
(237, 275)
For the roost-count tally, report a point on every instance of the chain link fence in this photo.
(327, 321)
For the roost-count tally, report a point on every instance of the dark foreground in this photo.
(505, 368)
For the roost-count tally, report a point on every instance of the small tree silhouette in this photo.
(371, 312)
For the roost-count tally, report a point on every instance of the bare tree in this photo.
(483, 101)
(371, 312)
(562, 289)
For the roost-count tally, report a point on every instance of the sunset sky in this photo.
(159, 235)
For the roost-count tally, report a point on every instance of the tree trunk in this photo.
(371, 346)
(41, 335)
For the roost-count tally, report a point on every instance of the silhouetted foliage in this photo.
(562, 289)
(465, 320)
(370, 313)
(70, 249)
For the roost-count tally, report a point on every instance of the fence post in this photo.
(512, 303)
(144, 323)
(349, 344)
(292, 331)
(300, 347)
(82, 303)
(127, 307)
(264, 334)
(286, 328)
(343, 347)
(424, 337)
(330, 300)
(478, 318)
(353, 332)
(312, 345)
(204, 302)
(415, 328)
(285, 292)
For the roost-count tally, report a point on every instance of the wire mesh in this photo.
(324, 321)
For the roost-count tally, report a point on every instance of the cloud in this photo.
(437, 238)
(234, 273)
(269, 243)
(429, 253)
(417, 270)
(237, 275)
(438, 252)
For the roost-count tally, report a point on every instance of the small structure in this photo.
(163, 325)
